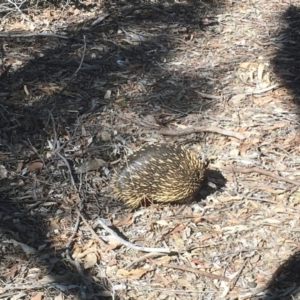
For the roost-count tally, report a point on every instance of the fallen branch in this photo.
(130, 245)
(237, 135)
(261, 171)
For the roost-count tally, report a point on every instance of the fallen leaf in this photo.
(206, 237)
(25, 248)
(185, 282)
(105, 135)
(133, 274)
(244, 148)
(268, 189)
(3, 172)
(234, 152)
(260, 71)
(125, 222)
(255, 259)
(12, 272)
(162, 222)
(107, 94)
(263, 100)
(150, 119)
(197, 261)
(91, 165)
(276, 126)
(113, 243)
(272, 221)
(162, 260)
(179, 228)
(237, 98)
(37, 297)
(35, 166)
(20, 295)
(236, 228)
(90, 260)
(161, 280)
(59, 297)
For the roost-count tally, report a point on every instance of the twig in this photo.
(99, 20)
(75, 262)
(139, 122)
(19, 35)
(73, 235)
(235, 279)
(79, 67)
(130, 245)
(19, 10)
(94, 234)
(32, 286)
(6, 70)
(186, 131)
(261, 171)
(69, 169)
(199, 272)
(148, 255)
(255, 92)
(55, 146)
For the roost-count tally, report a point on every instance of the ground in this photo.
(84, 83)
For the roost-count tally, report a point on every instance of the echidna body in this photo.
(165, 173)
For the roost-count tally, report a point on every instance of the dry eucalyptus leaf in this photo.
(237, 98)
(91, 165)
(260, 71)
(162, 222)
(59, 297)
(113, 243)
(20, 295)
(35, 166)
(105, 136)
(133, 274)
(150, 119)
(37, 297)
(3, 172)
(25, 248)
(107, 94)
(90, 260)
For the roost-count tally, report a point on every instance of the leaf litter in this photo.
(146, 78)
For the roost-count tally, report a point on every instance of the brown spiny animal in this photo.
(164, 173)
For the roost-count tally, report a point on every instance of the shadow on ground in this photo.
(285, 282)
(63, 81)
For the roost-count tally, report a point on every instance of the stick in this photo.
(256, 92)
(19, 35)
(237, 135)
(148, 255)
(130, 245)
(199, 272)
(261, 171)
(94, 234)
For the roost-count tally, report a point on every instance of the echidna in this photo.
(165, 173)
